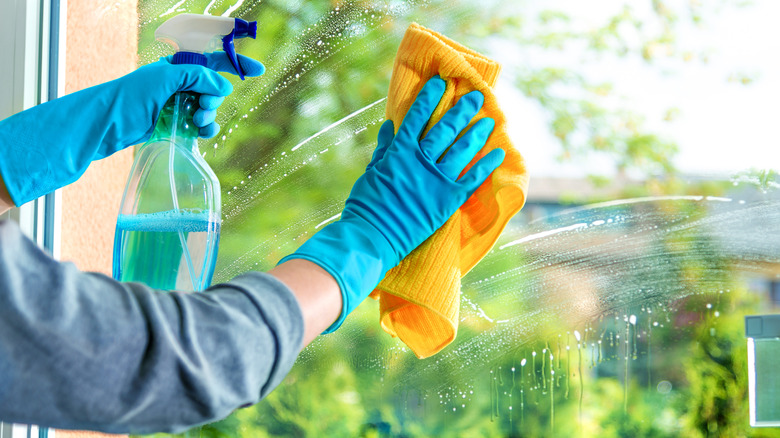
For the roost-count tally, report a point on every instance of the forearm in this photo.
(83, 351)
(317, 293)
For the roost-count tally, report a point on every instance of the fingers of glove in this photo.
(210, 102)
(383, 140)
(421, 110)
(219, 61)
(481, 171)
(202, 117)
(441, 136)
(203, 80)
(464, 150)
(208, 131)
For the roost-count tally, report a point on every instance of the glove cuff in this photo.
(353, 252)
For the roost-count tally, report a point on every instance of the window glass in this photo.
(613, 304)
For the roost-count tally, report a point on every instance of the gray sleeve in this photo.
(83, 351)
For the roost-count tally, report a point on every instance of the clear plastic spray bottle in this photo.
(167, 232)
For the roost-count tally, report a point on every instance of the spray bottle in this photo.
(167, 232)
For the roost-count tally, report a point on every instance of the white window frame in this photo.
(35, 30)
(33, 36)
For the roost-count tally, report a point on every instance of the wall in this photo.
(101, 45)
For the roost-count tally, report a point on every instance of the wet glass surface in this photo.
(612, 305)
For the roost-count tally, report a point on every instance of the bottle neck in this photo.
(175, 121)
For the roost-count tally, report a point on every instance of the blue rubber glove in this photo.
(51, 145)
(405, 195)
(218, 61)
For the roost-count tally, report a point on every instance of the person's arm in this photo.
(42, 149)
(83, 351)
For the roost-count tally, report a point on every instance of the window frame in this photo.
(36, 30)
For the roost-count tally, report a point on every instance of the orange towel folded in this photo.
(420, 298)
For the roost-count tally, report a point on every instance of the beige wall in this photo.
(102, 38)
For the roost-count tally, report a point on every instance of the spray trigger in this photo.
(242, 29)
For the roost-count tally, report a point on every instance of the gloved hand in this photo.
(405, 195)
(51, 145)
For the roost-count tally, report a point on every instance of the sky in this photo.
(723, 127)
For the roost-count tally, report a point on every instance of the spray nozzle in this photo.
(191, 34)
(245, 28)
(242, 29)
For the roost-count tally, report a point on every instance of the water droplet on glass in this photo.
(664, 387)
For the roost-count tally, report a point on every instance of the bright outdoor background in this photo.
(613, 304)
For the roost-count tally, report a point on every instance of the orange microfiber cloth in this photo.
(420, 298)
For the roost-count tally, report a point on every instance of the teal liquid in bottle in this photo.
(167, 232)
(149, 249)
